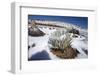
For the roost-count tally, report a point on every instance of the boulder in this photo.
(35, 32)
(33, 45)
(74, 31)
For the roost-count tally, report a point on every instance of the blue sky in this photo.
(80, 21)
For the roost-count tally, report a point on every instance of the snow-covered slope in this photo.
(41, 43)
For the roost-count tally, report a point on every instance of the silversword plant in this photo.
(60, 40)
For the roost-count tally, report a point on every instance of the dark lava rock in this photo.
(86, 51)
(77, 51)
(40, 56)
(75, 36)
(35, 32)
(33, 45)
(28, 47)
(74, 31)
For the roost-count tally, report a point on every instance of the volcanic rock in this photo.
(35, 32)
(74, 31)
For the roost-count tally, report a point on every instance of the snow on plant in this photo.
(60, 40)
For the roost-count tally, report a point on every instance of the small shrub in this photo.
(60, 40)
(59, 43)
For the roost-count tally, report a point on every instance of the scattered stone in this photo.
(33, 45)
(86, 51)
(28, 47)
(35, 32)
(74, 31)
(77, 51)
(75, 36)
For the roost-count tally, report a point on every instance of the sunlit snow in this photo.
(41, 42)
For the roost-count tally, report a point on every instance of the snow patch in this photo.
(41, 42)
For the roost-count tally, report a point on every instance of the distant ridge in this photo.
(59, 24)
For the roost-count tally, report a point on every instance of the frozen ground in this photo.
(41, 46)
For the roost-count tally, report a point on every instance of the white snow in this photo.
(47, 30)
(79, 44)
(41, 43)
